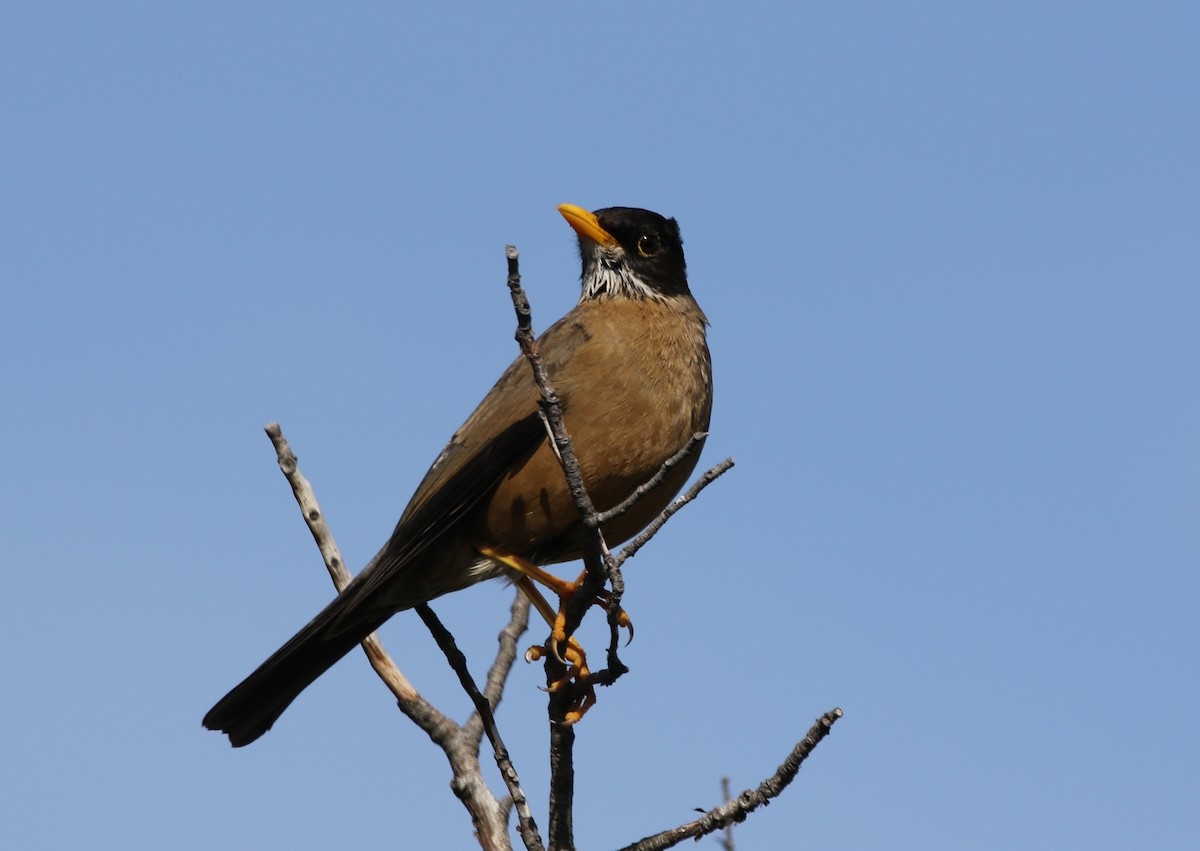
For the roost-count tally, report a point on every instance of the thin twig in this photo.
(737, 810)
(506, 653)
(551, 408)
(653, 482)
(483, 710)
(640, 540)
(613, 563)
(562, 738)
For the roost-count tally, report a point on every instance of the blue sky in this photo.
(950, 256)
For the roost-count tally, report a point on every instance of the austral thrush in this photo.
(631, 365)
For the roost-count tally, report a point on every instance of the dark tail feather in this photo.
(256, 702)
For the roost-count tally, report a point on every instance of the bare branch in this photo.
(491, 828)
(506, 655)
(613, 563)
(562, 785)
(549, 402)
(399, 685)
(594, 548)
(639, 541)
(736, 811)
(562, 738)
(483, 710)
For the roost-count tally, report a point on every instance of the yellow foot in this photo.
(580, 707)
(576, 658)
(577, 674)
(558, 627)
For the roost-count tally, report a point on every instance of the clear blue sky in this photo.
(950, 253)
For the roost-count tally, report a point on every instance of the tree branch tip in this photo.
(510, 251)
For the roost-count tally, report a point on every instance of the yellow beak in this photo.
(586, 224)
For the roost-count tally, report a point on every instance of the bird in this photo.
(631, 365)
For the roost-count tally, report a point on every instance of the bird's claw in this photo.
(604, 601)
(577, 675)
(625, 622)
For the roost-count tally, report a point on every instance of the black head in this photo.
(627, 251)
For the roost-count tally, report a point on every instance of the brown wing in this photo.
(503, 431)
(426, 555)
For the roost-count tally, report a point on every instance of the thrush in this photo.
(631, 366)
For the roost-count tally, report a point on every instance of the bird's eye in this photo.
(647, 245)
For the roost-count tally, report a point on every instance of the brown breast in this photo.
(636, 383)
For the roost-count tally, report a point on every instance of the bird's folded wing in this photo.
(502, 432)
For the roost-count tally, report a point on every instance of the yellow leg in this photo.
(574, 656)
(561, 587)
(576, 661)
(565, 590)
